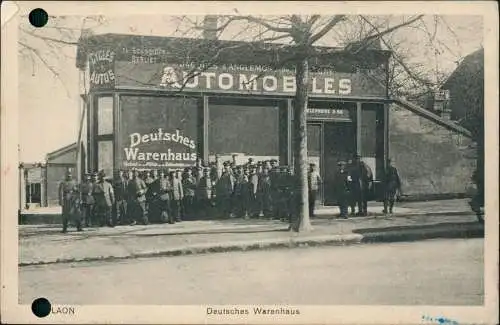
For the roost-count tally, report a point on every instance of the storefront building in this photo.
(159, 102)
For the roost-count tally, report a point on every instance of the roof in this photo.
(233, 52)
(61, 151)
(471, 63)
(433, 117)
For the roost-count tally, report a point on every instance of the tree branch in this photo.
(50, 39)
(387, 31)
(334, 21)
(37, 53)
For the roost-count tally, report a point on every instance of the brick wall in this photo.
(431, 160)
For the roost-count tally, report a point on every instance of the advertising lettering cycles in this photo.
(101, 66)
(251, 82)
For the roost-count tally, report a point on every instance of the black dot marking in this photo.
(38, 17)
(41, 307)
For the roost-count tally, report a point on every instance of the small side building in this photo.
(58, 162)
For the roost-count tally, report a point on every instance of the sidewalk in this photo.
(44, 244)
(52, 215)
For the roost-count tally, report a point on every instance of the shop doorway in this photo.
(328, 143)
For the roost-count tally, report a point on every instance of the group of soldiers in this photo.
(354, 184)
(252, 190)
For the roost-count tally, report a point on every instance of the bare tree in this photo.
(296, 34)
(301, 34)
(48, 46)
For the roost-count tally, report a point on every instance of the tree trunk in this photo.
(302, 222)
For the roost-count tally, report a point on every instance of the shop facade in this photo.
(159, 102)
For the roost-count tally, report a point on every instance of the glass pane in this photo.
(244, 130)
(313, 139)
(105, 157)
(368, 132)
(158, 131)
(105, 115)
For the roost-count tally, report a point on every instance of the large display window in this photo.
(158, 131)
(245, 130)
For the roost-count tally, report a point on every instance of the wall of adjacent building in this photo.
(431, 159)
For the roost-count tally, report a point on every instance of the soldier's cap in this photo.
(225, 164)
(101, 173)
(341, 163)
(273, 160)
(312, 165)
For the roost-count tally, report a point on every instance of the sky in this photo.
(48, 105)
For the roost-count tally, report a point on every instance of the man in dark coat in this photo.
(69, 199)
(392, 186)
(264, 192)
(206, 194)
(104, 199)
(137, 199)
(275, 176)
(120, 184)
(165, 198)
(189, 185)
(177, 195)
(224, 191)
(87, 200)
(253, 181)
(362, 179)
(341, 187)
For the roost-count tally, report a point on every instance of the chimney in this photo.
(209, 27)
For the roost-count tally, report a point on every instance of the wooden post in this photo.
(205, 150)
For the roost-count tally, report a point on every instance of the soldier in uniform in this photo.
(286, 194)
(293, 197)
(351, 199)
(198, 170)
(274, 175)
(104, 199)
(313, 182)
(165, 198)
(341, 188)
(362, 178)
(205, 194)
(120, 184)
(87, 200)
(238, 191)
(224, 191)
(189, 187)
(177, 195)
(264, 192)
(253, 192)
(69, 199)
(392, 186)
(137, 199)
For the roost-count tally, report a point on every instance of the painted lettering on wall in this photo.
(266, 82)
(101, 67)
(168, 141)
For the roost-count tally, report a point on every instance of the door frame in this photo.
(321, 125)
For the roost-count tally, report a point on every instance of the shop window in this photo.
(104, 115)
(105, 157)
(246, 130)
(158, 131)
